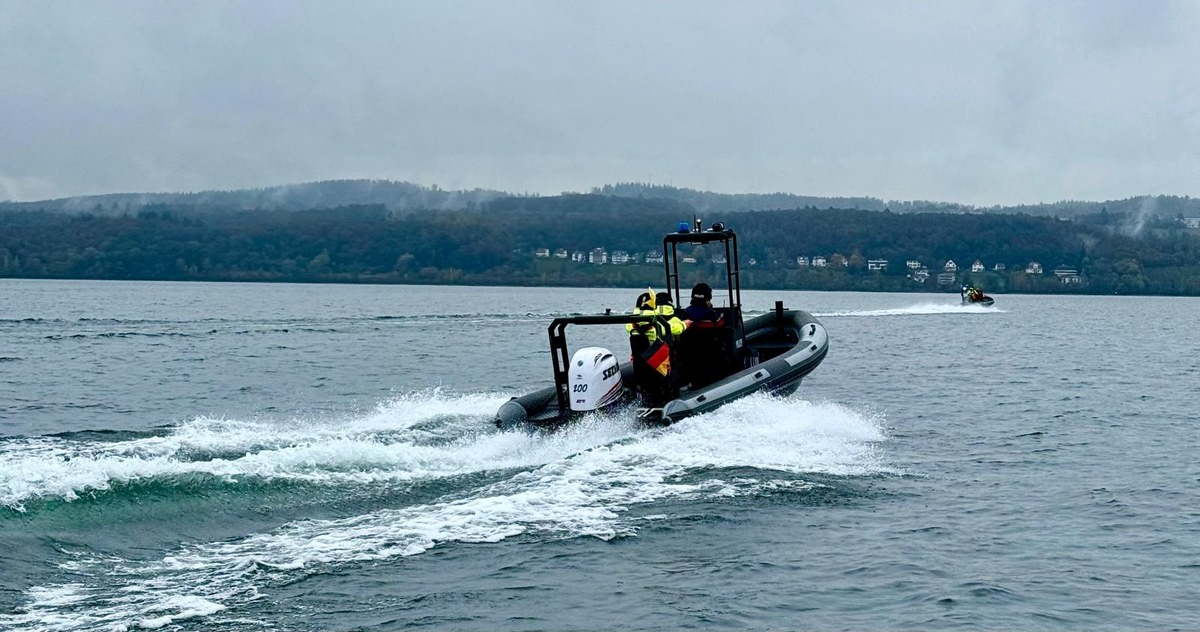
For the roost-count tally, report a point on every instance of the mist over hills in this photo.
(289, 197)
(1144, 206)
(406, 196)
(705, 201)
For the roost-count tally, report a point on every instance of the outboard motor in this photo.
(594, 378)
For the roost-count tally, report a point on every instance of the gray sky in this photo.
(983, 103)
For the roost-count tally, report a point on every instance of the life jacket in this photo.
(667, 311)
(703, 316)
(667, 325)
(651, 329)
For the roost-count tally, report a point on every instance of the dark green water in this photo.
(288, 457)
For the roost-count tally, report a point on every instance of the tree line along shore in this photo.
(516, 241)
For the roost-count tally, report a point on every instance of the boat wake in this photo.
(397, 441)
(582, 481)
(922, 309)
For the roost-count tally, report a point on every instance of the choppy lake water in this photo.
(320, 457)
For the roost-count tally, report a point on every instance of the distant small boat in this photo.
(975, 296)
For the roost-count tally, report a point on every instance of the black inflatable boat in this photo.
(769, 353)
(975, 296)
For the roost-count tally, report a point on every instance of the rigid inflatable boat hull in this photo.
(791, 344)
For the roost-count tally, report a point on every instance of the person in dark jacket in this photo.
(705, 353)
(701, 311)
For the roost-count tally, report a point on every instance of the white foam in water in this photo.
(577, 482)
(922, 309)
(370, 448)
(181, 608)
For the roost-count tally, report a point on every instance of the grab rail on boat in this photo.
(558, 344)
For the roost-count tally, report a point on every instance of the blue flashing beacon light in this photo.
(684, 227)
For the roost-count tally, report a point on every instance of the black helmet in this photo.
(702, 292)
(663, 298)
(642, 300)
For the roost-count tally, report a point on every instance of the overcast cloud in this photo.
(976, 102)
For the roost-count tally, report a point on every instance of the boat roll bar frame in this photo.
(718, 233)
(733, 278)
(733, 281)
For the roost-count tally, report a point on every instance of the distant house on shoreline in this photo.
(1067, 275)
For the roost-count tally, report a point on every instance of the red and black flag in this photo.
(658, 356)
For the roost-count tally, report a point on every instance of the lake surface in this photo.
(192, 456)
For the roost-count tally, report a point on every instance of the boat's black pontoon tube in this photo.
(785, 362)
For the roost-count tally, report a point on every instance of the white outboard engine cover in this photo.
(594, 379)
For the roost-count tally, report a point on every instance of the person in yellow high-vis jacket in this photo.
(652, 363)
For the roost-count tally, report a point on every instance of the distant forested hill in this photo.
(292, 197)
(404, 196)
(708, 201)
(514, 240)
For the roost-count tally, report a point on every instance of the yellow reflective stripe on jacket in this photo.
(668, 312)
(667, 321)
(648, 329)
